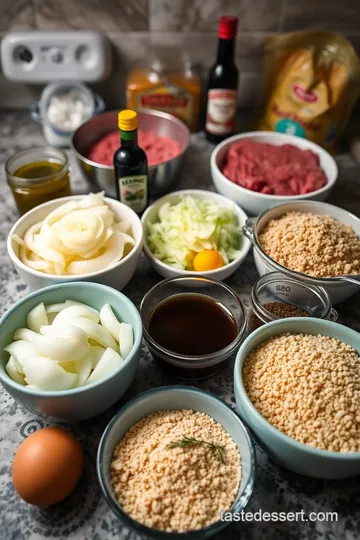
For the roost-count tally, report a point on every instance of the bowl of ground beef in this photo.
(262, 169)
(312, 241)
(163, 137)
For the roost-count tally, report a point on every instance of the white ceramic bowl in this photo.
(165, 270)
(254, 203)
(337, 290)
(293, 455)
(117, 276)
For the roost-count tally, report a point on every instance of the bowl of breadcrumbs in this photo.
(176, 462)
(297, 387)
(313, 241)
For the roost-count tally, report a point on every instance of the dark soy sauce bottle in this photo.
(130, 165)
(222, 85)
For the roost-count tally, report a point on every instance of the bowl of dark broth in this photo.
(192, 325)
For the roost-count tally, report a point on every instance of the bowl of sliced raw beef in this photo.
(258, 170)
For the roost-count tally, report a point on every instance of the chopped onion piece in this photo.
(69, 343)
(37, 317)
(95, 352)
(13, 372)
(108, 363)
(55, 308)
(126, 339)
(96, 332)
(83, 367)
(109, 321)
(72, 312)
(24, 334)
(21, 351)
(46, 374)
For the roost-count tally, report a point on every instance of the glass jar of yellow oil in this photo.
(38, 175)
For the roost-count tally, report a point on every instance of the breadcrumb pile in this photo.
(307, 386)
(319, 246)
(175, 489)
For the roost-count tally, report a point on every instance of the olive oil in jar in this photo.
(38, 175)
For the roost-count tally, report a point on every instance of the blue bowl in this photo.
(77, 403)
(288, 452)
(166, 398)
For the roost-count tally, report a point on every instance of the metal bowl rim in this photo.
(151, 112)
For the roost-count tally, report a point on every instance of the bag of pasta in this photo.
(312, 80)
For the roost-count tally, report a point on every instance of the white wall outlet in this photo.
(40, 56)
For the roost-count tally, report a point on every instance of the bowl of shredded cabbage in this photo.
(195, 231)
(77, 238)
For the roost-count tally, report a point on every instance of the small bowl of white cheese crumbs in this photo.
(176, 461)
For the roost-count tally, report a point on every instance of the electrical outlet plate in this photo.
(41, 56)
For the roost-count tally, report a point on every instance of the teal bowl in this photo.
(288, 452)
(77, 403)
(176, 397)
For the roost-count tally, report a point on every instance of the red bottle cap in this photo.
(227, 27)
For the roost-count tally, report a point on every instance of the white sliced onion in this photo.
(70, 343)
(113, 253)
(95, 352)
(37, 317)
(72, 312)
(21, 351)
(79, 237)
(123, 226)
(55, 308)
(126, 339)
(13, 372)
(24, 334)
(84, 367)
(96, 332)
(108, 363)
(109, 321)
(46, 374)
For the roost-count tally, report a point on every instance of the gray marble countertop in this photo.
(84, 514)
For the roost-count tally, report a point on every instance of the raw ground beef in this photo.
(158, 148)
(274, 170)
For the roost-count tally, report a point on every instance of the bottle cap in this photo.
(127, 120)
(228, 27)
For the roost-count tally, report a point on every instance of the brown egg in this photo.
(47, 466)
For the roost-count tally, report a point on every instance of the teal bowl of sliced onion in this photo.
(71, 350)
(195, 231)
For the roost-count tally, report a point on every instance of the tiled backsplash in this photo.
(133, 26)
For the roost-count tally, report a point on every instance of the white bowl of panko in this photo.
(78, 238)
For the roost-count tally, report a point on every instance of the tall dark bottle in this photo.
(130, 165)
(222, 85)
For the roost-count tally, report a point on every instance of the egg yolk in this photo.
(208, 259)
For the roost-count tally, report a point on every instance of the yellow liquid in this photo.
(56, 186)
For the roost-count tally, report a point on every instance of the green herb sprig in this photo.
(187, 442)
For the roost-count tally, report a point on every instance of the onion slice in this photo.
(108, 363)
(126, 339)
(37, 317)
(109, 321)
(46, 374)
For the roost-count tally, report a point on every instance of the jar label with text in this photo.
(221, 109)
(167, 98)
(133, 191)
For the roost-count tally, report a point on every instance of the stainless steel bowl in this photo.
(162, 177)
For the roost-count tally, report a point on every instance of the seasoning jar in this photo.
(37, 175)
(275, 296)
(168, 85)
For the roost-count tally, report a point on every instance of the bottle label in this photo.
(133, 191)
(167, 98)
(220, 113)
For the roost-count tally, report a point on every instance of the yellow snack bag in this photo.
(312, 80)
